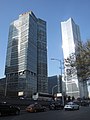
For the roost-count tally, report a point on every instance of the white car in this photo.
(71, 106)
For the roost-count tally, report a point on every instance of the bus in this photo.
(42, 96)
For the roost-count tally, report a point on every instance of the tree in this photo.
(70, 64)
(81, 61)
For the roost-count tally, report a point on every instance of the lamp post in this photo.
(6, 87)
(60, 62)
(53, 88)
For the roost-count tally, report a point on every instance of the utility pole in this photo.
(60, 63)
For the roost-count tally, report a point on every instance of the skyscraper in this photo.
(70, 39)
(26, 59)
(42, 57)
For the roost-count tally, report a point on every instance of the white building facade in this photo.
(70, 40)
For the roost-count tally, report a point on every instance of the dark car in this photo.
(56, 106)
(7, 109)
(36, 107)
(84, 103)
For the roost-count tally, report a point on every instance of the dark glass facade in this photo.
(42, 57)
(54, 84)
(22, 60)
(2, 87)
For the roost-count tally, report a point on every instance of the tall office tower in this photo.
(42, 57)
(26, 59)
(70, 39)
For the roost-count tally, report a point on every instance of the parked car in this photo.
(71, 106)
(36, 107)
(77, 102)
(7, 109)
(84, 103)
(56, 106)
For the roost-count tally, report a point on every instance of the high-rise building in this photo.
(41, 56)
(26, 59)
(55, 84)
(70, 39)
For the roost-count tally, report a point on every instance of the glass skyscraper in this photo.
(26, 59)
(42, 57)
(70, 40)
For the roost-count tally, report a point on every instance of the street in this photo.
(82, 114)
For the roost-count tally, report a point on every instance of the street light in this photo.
(60, 71)
(59, 62)
(61, 77)
(53, 88)
(6, 87)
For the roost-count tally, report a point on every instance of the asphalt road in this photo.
(82, 114)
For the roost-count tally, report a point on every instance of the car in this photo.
(36, 107)
(84, 103)
(55, 106)
(71, 106)
(7, 109)
(77, 102)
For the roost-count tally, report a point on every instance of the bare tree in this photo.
(81, 61)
